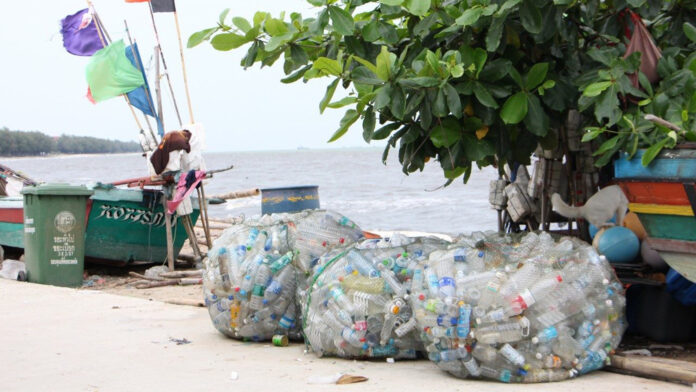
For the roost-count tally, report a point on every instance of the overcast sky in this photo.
(42, 87)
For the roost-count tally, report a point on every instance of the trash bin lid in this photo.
(59, 189)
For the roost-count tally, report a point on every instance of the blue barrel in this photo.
(289, 199)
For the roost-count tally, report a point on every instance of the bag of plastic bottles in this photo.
(356, 305)
(524, 309)
(251, 272)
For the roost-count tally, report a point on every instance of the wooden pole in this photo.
(183, 67)
(170, 241)
(188, 226)
(237, 194)
(164, 64)
(204, 210)
(158, 92)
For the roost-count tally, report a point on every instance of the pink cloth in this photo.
(182, 191)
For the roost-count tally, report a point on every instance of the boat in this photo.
(124, 225)
(663, 195)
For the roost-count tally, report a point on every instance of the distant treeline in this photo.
(22, 143)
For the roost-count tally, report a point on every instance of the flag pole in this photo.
(103, 38)
(183, 65)
(164, 64)
(139, 65)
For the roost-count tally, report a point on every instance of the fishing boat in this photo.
(663, 195)
(124, 225)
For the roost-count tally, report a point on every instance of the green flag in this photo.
(110, 73)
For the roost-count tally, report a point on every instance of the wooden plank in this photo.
(663, 209)
(663, 369)
(672, 227)
(661, 244)
(652, 192)
(670, 164)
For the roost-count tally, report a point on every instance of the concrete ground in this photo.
(58, 339)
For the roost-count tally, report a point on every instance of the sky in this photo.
(42, 87)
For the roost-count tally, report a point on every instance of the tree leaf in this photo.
(446, 134)
(419, 81)
(366, 63)
(348, 119)
(484, 96)
(383, 97)
(385, 61)
(297, 75)
(342, 21)
(365, 76)
(607, 145)
(277, 41)
(330, 90)
(439, 106)
(653, 151)
(596, 88)
(536, 75)
(689, 31)
(298, 55)
(515, 108)
(228, 41)
(196, 38)
(592, 133)
(398, 103)
(241, 24)
(223, 16)
(418, 7)
(370, 31)
(388, 33)
(537, 121)
(470, 16)
(453, 102)
(327, 66)
(345, 101)
(392, 2)
(531, 17)
(275, 27)
(385, 131)
(508, 4)
(495, 32)
(369, 122)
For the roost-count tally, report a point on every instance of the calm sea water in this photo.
(351, 181)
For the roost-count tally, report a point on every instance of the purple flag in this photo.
(80, 35)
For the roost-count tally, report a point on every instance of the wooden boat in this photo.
(663, 195)
(124, 225)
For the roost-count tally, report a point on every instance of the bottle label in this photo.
(234, 314)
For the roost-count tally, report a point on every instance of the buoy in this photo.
(619, 245)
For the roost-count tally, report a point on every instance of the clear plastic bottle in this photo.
(464, 322)
(362, 283)
(341, 299)
(503, 375)
(396, 287)
(287, 321)
(361, 264)
(471, 365)
(508, 332)
(484, 353)
(513, 356)
(406, 327)
(278, 284)
(433, 282)
(263, 275)
(281, 262)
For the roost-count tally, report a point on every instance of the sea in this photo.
(353, 182)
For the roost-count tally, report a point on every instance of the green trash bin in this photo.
(54, 233)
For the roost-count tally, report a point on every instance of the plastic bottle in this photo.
(341, 299)
(263, 275)
(463, 324)
(287, 321)
(278, 284)
(484, 353)
(503, 375)
(503, 332)
(396, 287)
(281, 262)
(248, 281)
(361, 264)
(471, 365)
(406, 327)
(253, 236)
(433, 282)
(446, 285)
(491, 293)
(521, 279)
(513, 356)
(545, 335)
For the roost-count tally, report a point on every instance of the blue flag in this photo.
(141, 97)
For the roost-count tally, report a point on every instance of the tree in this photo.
(483, 81)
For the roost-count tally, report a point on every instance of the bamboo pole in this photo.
(140, 67)
(237, 194)
(164, 64)
(204, 209)
(158, 92)
(188, 226)
(183, 67)
(170, 241)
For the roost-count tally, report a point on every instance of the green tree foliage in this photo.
(20, 143)
(482, 81)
